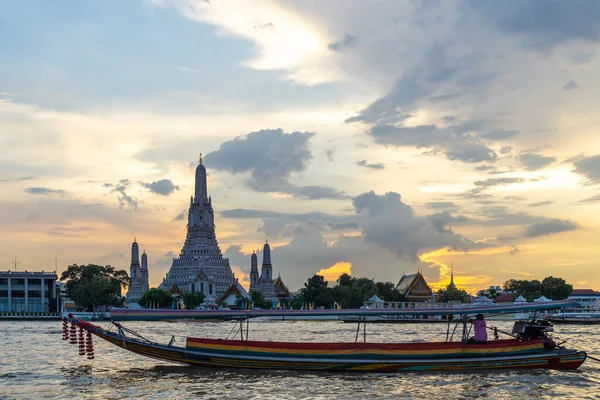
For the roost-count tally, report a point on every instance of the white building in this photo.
(26, 291)
(138, 275)
(200, 267)
(263, 284)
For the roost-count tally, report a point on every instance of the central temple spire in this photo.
(200, 193)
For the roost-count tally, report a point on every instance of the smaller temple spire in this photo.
(200, 159)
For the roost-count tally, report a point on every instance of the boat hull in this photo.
(357, 357)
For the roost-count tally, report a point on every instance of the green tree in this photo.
(259, 301)
(316, 292)
(193, 300)
(451, 293)
(556, 288)
(158, 298)
(387, 291)
(92, 286)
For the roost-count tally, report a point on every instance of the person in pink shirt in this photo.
(480, 330)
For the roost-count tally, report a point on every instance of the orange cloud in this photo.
(332, 273)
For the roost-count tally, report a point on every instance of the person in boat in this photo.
(480, 330)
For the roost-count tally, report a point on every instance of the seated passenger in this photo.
(480, 330)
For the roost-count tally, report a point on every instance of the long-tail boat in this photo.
(530, 346)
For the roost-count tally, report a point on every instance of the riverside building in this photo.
(138, 274)
(22, 291)
(200, 266)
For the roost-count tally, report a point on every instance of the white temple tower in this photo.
(200, 266)
(144, 272)
(266, 275)
(254, 277)
(136, 275)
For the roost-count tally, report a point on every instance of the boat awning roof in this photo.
(125, 314)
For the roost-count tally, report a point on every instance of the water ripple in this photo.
(36, 363)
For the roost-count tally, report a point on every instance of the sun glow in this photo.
(332, 273)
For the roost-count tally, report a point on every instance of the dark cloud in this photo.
(125, 200)
(543, 23)
(46, 191)
(277, 224)
(506, 150)
(163, 187)
(470, 152)
(593, 199)
(498, 181)
(181, 216)
(271, 156)
(541, 203)
(329, 154)
(533, 162)
(364, 163)
(397, 106)
(388, 222)
(442, 205)
(347, 41)
(25, 178)
(571, 85)
(549, 227)
(498, 134)
(589, 167)
(485, 168)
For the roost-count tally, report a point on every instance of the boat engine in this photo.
(534, 330)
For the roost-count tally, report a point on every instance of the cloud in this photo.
(499, 134)
(46, 191)
(163, 187)
(593, 199)
(541, 203)
(181, 216)
(125, 200)
(388, 222)
(347, 41)
(498, 181)
(571, 85)
(25, 178)
(271, 156)
(442, 205)
(329, 154)
(485, 168)
(364, 163)
(533, 162)
(276, 224)
(549, 227)
(589, 167)
(543, 24)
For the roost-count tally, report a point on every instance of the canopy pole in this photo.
(247, 328)
(365, 329)
(357, 330)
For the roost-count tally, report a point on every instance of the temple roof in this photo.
(175, 290)
(281, 289)
(235, 289)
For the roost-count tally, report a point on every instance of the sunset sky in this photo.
(370, 137)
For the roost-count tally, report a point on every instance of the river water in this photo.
(36, 363)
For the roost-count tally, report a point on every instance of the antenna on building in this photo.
(15, 263)
(55, 263)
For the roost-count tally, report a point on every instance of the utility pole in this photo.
(15, 263)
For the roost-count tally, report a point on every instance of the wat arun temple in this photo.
(200, 267)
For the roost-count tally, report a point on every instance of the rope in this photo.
(586, 351)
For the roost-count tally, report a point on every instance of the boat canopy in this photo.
(125, 314)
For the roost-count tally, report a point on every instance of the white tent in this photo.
(520, 299)
(543, 298)
(375, 299)
(483, 299)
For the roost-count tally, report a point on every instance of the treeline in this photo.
(350, 292)
(550, 287)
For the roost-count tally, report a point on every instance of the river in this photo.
(36, 363)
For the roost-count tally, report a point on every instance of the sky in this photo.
(372, 138)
